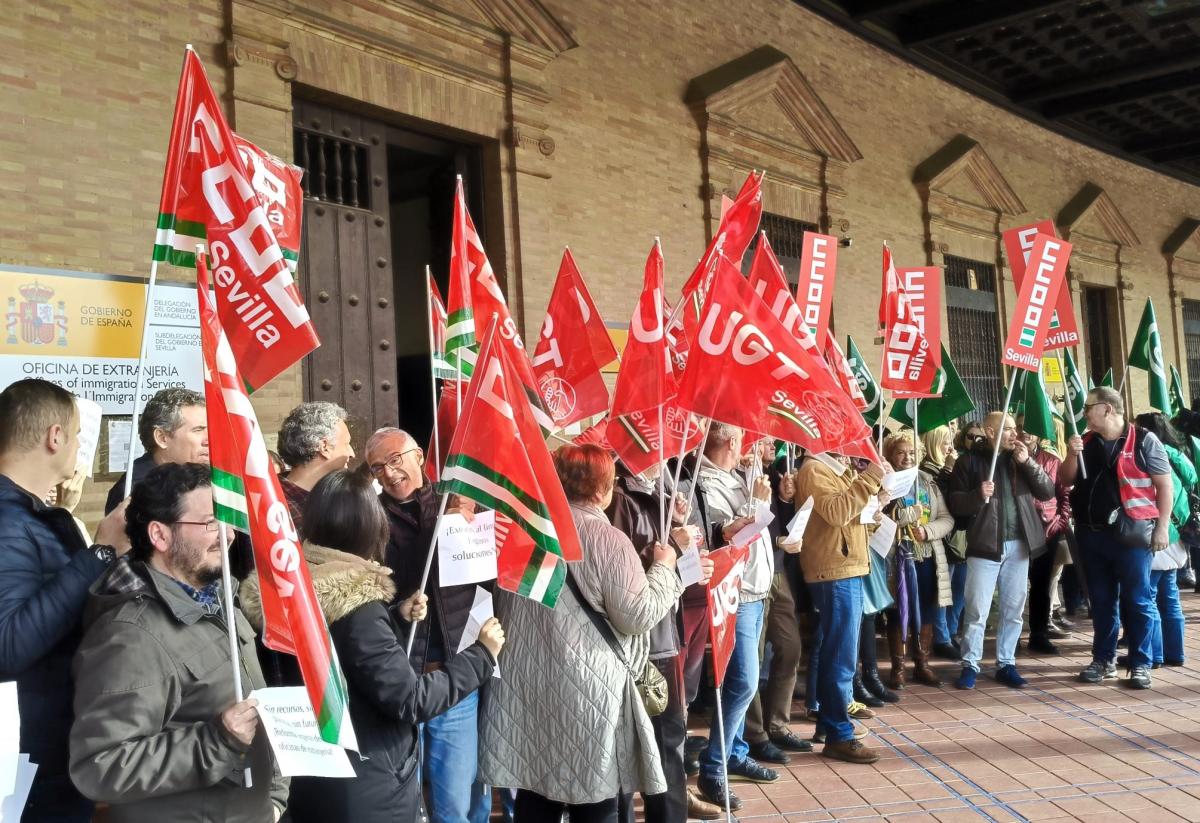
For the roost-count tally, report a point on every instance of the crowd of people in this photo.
(119, 640)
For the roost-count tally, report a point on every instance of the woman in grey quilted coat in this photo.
(564, 725)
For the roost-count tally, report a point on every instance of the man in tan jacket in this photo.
(835, 560)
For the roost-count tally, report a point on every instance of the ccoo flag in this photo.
(1030, 322)
(1146, 355)
(951, 400)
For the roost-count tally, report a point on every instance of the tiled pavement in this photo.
(1056, 750)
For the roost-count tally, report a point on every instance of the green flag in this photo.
(1146, 355)
(1195, 449)
(1076, 394)
(866, 382)
(932, 412)
(1107, 379)
(1016, 402)
(1177, 404)
(1038, 419)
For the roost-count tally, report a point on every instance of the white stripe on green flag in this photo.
(229, 500)
(470, 478)
(544, 577)
(175, 240)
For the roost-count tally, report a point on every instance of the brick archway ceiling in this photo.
(1120, 75)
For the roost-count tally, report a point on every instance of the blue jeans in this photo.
(1012, 575)
(840, 605)
(812, 676)
(1166, 634)
(739, 688)
(948, 618)
(451, 765)
(1115, 572)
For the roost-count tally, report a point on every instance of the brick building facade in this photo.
(594, 125)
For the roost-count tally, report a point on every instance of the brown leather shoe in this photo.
(851, 751)
(701, 809)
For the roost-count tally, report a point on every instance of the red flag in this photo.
(724, 597)
(835, 358)
(571, 350)
(447, 422)
(635, 436)
(748, 370)
(1031, 317)
(922, 289)
(646, 379)
(207, 191)
(770, 284)
(814, 289)
(466, 256)
(738, 225)
(247, 496)
(498, 458)
(908, 366)
(594, 435)
(277, 184)
(1018, 243)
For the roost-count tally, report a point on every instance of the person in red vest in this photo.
(1122, 515)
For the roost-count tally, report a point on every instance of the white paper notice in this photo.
(89, 433)
(688, 566)
(795, 529)
(868, 513)
(287, 716)
(881, 541)
(481, 610)
(16, 779)
(899, 483)
(467, 551)
(118, 445)
(762, 518)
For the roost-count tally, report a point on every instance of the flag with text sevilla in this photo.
(248, 497)
(1031, 317)
(1018, 244)
(747, 369)
(208, 193)
(724, 597)
(908, 365)
(498, 458)
(571, 350)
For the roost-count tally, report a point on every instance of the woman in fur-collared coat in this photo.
(347, 530)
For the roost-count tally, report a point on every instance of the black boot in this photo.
(863, 696)
(870, 679)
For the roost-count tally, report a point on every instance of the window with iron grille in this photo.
(1099, 326)
(335, 168)
(971, 326)
(786, 236)
(1191, 341)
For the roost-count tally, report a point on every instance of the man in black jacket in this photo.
(1005, 528)
(451, 739)
(46, 567)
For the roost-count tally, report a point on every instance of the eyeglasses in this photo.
(971, 438)
(1089, 406)
(395, 463)
(209, 525)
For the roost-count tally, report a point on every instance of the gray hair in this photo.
(383, 434)
(1106, 394)
(305, 428)
(163, 412)
(720, 434)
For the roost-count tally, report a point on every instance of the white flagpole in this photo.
(437, 528)
(437, 449)
(231, 629)
(137, 390)
(724, 756)
(1003, 420)
(1070, 406)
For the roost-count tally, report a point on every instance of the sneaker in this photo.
(1139, 678)
(858, 711)
(1041, 644)
(1009, 677)
(713, 790)
(860, 731)
(750, 772)
(811, 715)
(768, 752)
(966, 680)
(850, 751)
(1098, 672)
(789, 741)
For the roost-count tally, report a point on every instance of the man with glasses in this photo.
(1118, 525)
(158, 733)
(451, 740)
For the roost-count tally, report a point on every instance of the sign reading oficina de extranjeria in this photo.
(83, 331)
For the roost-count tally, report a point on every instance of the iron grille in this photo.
(971, 323)
(1191, 339)
(335, 169)
(786, 236)
(1099, 328)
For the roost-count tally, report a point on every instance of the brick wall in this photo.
(86, 92)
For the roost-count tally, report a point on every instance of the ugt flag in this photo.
(724, 597)
(248, 497)
(208, 193)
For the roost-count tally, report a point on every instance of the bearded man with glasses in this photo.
(451, 740)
